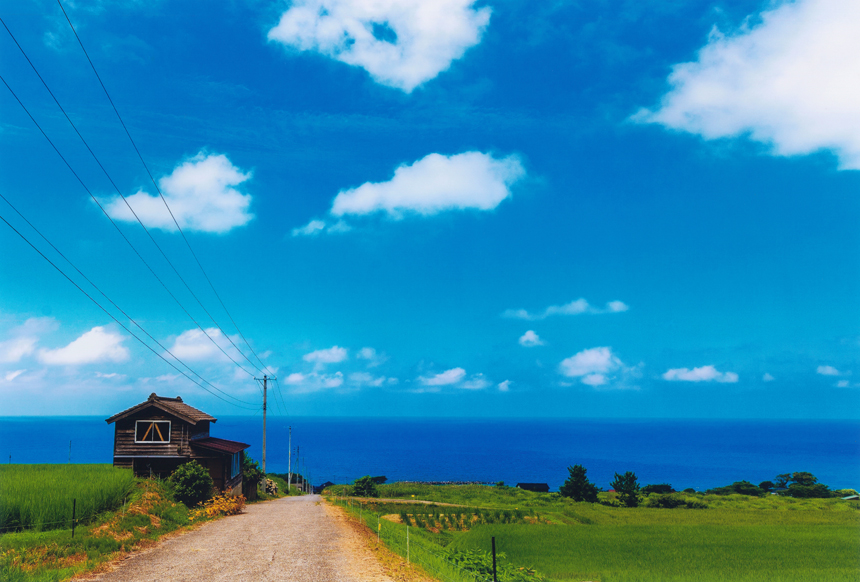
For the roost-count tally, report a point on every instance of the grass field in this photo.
(732, 538)
(646, 553)
(40, 496)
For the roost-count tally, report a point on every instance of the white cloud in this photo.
(594, 379)
(842, 384)
(97, 345)
(827, 371)
(365, 379)
(788, 79)
(433, 184)
(372, 357)
(401, 43)
(194, 345)
(332, 355)
(575, 307)
(767, 378)
(701, 374)
(310, 229)
(504, 386)
(313, 382)
(446, 378)
(588, 362)
(24, 338)
(12, 375)
(600, 367)
(202, 196)
(530, 339)
(476, 382)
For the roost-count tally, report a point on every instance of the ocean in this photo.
(684, 453)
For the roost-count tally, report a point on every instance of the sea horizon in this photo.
(685, 452)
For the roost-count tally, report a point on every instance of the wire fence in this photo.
(410, 544)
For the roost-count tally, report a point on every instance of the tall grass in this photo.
(40, 496)
(671, 553)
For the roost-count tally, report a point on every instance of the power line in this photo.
(131, 319)
(99, 305)
(163, 199)
(120, 231)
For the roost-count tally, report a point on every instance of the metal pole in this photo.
(290, 461)
(265, 382)
(494, 560)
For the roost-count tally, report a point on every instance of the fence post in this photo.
(494, 559)
(378, 529)
(74, 507)
(407, 545)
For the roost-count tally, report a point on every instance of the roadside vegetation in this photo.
(650, 533)
(115, 513)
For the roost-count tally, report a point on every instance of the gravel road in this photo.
(300, 539)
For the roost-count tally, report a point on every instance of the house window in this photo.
(152, 431)
(235, 465)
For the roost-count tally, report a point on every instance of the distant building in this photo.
(536, 487)
(156, 436)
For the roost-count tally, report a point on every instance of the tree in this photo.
(365, 487)
(627, 487)
(578, 487)
(742, 487)
(767, 486)
(192, 483)
(804, 478)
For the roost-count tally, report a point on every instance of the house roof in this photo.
(173, 406)
(220, 445)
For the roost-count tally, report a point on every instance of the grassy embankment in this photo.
(735, 538)
(115, 513)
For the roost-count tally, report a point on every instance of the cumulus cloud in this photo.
(701, 374)
(530, 339)
(504, 386)
(842, 384)
(827, 371)
(201, 193)
(788, 79)
(575, 307)
(195, 345)
(767, 378)
(476, 382)
(445, 378)
(332, 355)
(372, 357)
(599, 367)
(433, 184)
(23, 338)
(401, 43)
(365, 379)
(313, 382)
(97, 345)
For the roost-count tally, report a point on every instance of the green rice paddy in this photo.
(40, 497)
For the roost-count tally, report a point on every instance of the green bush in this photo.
(251, 472)
(627, 487)
(742, 487)
(480, 564)
(191, 483)
(658, 488)
(365, 487)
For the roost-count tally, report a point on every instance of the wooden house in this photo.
(156, 436)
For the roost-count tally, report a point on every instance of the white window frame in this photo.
(169, 438)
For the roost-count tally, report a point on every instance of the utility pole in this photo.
(290, 461)
(265, 386)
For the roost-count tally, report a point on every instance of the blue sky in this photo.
(641, 209)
